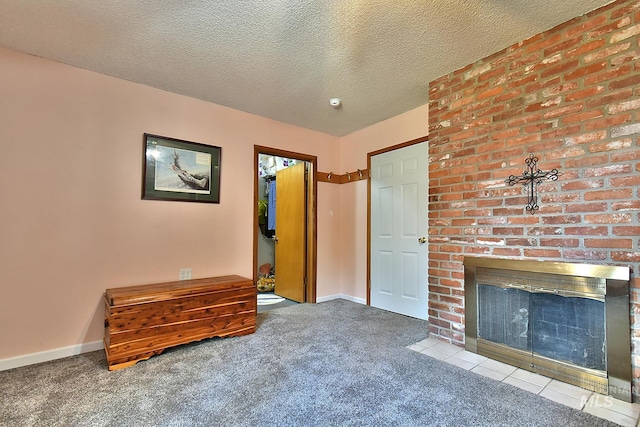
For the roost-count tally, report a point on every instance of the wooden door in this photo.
(291, 218)
(399, 223)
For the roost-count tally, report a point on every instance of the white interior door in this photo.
(399, 224)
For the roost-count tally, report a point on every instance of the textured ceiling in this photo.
(282, 59)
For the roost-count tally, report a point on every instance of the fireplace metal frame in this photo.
(608, 283)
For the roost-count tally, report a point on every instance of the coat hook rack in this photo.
(531, 178)
(347, 177)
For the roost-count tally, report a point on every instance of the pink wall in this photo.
(329, 238)
(353, 196)
(72, 221)
(405, 127)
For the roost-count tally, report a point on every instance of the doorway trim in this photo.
(312, 204)
(369, 155)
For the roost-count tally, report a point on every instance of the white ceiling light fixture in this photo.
(335, 102)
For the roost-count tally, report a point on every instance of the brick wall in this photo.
(571, 96)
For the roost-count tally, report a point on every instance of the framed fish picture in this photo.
(174, 169)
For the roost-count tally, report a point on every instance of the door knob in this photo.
(422, 240)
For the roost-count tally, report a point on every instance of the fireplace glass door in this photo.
(569, 329)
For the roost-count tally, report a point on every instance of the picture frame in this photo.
(179, 170)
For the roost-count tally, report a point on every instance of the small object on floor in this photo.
(266, 284)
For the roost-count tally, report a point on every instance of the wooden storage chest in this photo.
(141, 321)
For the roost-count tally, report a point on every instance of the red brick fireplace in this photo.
(571, 97)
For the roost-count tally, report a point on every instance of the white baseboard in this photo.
(342, 296)
(45, 356)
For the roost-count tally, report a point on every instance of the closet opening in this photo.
(284, 246)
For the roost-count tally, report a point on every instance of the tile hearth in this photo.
(614, 410)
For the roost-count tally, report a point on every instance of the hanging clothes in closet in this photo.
(271, 209)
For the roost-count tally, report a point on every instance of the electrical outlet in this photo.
(185, 274)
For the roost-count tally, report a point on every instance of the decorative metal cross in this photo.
(531, 178)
